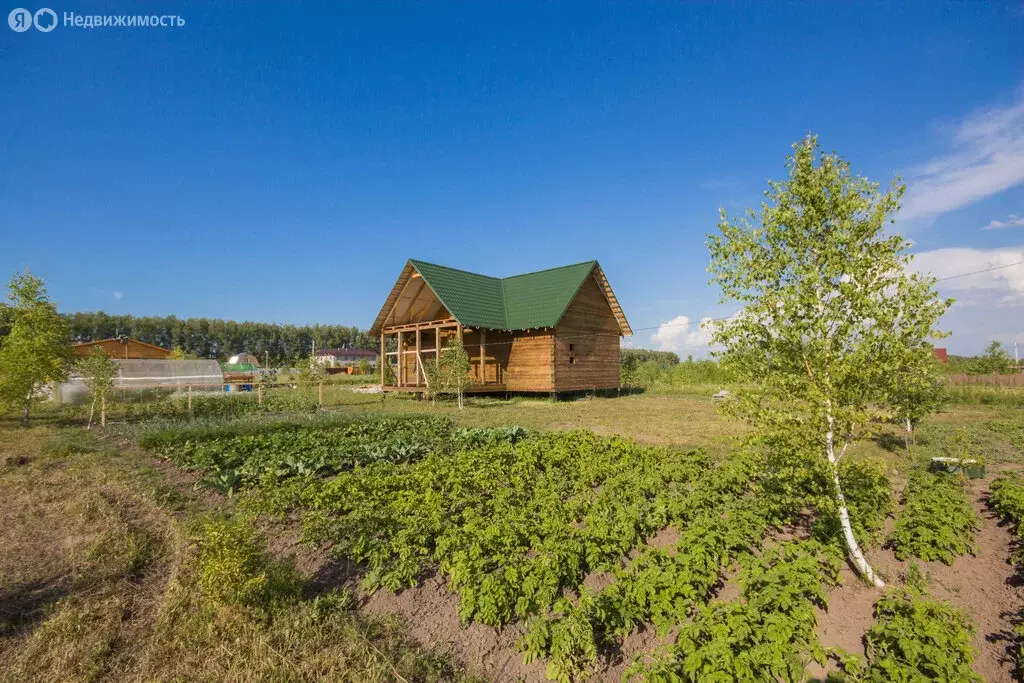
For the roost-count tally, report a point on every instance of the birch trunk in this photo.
(856, 556)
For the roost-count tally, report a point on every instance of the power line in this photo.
(940, 279)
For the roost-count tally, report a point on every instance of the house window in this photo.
(572, 360)
(572, 347)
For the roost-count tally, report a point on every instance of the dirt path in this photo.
(984, 586)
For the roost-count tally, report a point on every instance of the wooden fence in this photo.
(994, 380)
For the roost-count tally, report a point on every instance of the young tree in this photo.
(98, 371)
(995, 360)
(37, 349)
(453, 370)
(916, 391)
(829, 311)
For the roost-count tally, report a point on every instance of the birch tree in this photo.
(37, 349)
(829, 311)
(98, 372)
(453, 369)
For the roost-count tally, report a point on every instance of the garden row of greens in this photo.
(1008, 500)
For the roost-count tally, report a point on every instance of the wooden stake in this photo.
(259, 394)
(189, 399)
(320, 394)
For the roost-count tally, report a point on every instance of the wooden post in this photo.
(320, 394)
(189, 399)
(382, 360)
(400, 359)
(419, 363)
(483, 359)
(259, 394)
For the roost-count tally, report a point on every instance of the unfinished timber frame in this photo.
(549, 331)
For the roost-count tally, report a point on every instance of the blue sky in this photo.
(279, 162)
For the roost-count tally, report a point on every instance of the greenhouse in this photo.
(168, 375)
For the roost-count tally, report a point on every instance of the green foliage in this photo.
(832, 323)
(937, 521)
(652, 374)
(915, 638)
(206, 406)
(996, 359)
(632, 358)
(36, 350)
(98, 371)
(450, 374)
(233, 461)
(509, 526)
(209, 338)
(768, 634)
(1007, 499)
(234, 569)
(868, 494)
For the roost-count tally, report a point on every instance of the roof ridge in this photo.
(458, 270)
(547, 270)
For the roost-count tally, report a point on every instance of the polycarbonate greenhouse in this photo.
(168, 375)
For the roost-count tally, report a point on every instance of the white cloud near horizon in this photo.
(1005, 285)
(683, 336)
(117, 295)
(986, 157)
(1012, 221)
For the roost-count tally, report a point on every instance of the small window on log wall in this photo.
(572, 347)
(572, 360)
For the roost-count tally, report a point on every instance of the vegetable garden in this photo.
(516, 522)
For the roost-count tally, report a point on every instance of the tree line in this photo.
(219, 339)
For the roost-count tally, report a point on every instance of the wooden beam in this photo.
(383, 359)
(399, 358)
(419, 363)
(483, 357)
(447, 322)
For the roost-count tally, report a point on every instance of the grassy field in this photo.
(100, 579)
(113, 563)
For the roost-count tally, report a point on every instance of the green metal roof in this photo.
(520, 302)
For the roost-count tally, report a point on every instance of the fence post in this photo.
(259, 394)
(189, 399)
(320, 394)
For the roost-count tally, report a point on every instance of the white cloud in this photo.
(682, 335)
(117, 295)
(986, 157)
(1005, 285)
(1012, 221)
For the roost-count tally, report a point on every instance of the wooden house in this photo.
(549, 331)
(123, 348)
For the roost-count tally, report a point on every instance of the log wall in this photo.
(587, 343)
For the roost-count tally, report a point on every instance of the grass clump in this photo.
(234, 570)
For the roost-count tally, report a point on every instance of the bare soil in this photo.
(985, 586)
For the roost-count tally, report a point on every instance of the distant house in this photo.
(941, 355)
(339, 358)
(123, 348)
(548, 331)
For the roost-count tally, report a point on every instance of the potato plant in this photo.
(937, 521)
(767, 634)
(916, 638)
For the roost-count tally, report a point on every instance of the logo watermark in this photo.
(45, 20)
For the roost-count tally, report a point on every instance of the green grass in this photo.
(101, 579)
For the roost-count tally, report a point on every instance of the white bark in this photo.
(856, 556)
